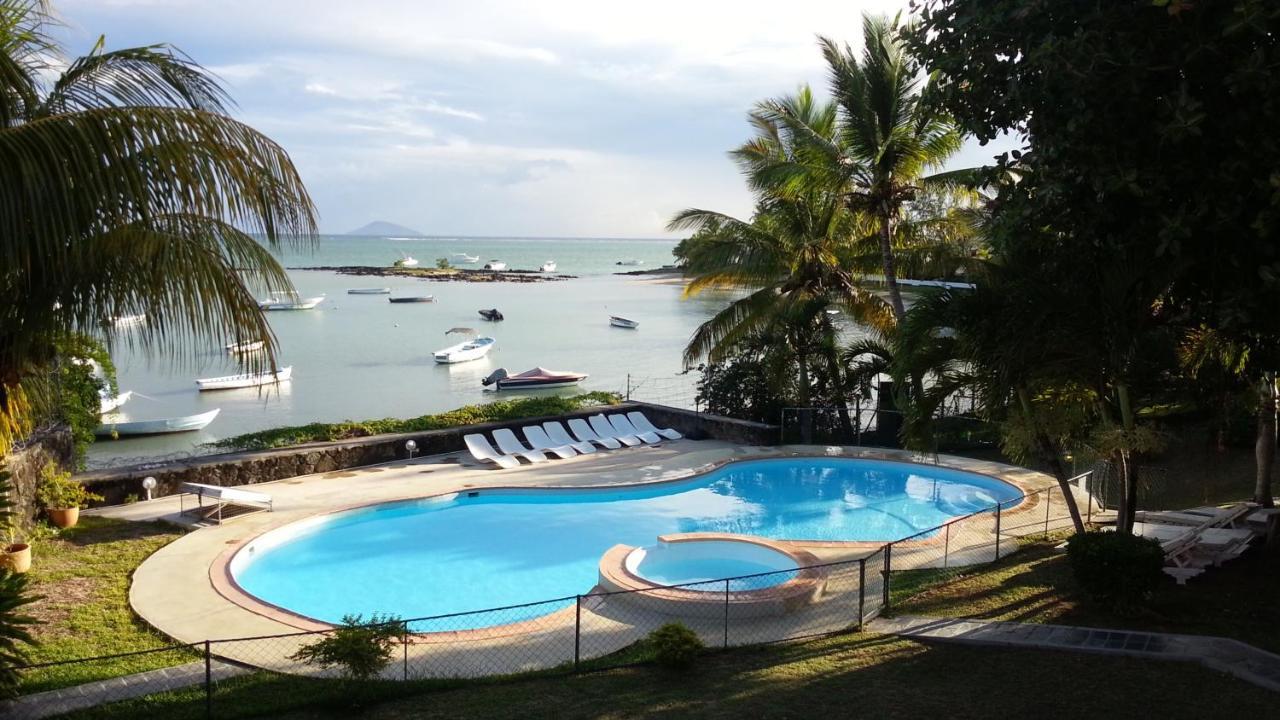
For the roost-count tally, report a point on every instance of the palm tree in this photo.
(885, 138)
(126, 189)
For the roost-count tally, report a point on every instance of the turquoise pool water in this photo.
(500, 548)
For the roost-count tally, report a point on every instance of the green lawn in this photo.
(83, 575)
(844, 676)
(1240, 600)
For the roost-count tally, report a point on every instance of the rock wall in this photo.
(246, 468)
(24, 467)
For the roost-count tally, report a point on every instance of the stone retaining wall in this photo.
(246, 468)
(24, 467)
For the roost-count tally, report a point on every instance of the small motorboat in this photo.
(369, 291)
(244, 380)
(492, 315)
(629, 262)
(535, 379)
(289, 301)
(413, 299)
(186, 423)
(242, 348)
(473, 349)
(495, 265)
(107, 403)
(548, 266)
(467, 259)
(622, 322)
(406, 261)
(124, 321)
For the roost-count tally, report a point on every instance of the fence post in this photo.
(1048, 503)
(577, 634)
(857, 429)
(888, 566)
(998, 531)
(404, 646)
(208, 682)
(1088, 496)
(726, 614)
(946, 546)
(862, 592)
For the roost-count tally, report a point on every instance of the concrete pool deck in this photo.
(178, 590)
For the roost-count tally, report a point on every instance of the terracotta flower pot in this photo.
(64, 517)
(16, 557)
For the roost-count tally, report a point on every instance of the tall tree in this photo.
(126, 189)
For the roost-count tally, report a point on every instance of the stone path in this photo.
(65, 700)
(1243, 661)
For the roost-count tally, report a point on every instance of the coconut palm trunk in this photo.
(890, 266)
(1265, 444)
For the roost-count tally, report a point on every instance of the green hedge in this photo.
(467, 415)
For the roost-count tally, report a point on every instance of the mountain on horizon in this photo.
(385, 229)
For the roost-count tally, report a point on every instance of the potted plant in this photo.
(61, 497)
(16, 556)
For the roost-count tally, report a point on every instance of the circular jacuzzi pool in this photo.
(690, 562)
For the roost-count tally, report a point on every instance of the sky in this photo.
(559, 118)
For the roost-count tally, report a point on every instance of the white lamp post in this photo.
(410, 446)
(148, 484)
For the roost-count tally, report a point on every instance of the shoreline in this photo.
(443, 275)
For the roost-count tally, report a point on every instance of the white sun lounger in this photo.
(509, 444)
(642, 424)
(604, 428)
(1232, 516)
(481, 450)
(583, 432)
(560, 436)
(624, 427)
(538, 440)
(222, 497)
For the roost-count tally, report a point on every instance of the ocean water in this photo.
(361, 357)
(500, 548)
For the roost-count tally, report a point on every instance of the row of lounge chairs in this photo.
(1198, 538)
(607, 432)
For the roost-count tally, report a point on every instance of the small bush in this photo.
(1115, 569)
(57, 491)
(675, 646)
(358, 649)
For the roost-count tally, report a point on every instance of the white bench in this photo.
(221, 497)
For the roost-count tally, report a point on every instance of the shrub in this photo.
(443, 263)
(15, 637)
(1115, 569)
(57, 491)
(675, 646)
(360, 650)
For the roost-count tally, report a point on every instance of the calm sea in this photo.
(361, 357)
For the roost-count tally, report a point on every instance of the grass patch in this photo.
(880, 676)
(1035, 585)
(468, 415)
(83, 575)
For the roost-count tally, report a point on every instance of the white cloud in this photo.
(316, 88)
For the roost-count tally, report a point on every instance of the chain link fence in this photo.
(600, 629)
(679, 390)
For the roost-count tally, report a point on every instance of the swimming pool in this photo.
(502, 547)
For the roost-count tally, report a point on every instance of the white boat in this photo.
(107, 403)
(186, 423)
(464, 352)
(548, 266)
(467, 259)
(536, 378)
(369, 291)
(629, 262)
(123, 321)
(289, 301)
(244, 380)
(406, 262)
(622, 322)
(245, 347)
(495, 265)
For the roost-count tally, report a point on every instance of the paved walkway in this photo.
(79, 697)
(1244, 661)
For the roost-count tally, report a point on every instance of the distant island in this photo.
(386, 229)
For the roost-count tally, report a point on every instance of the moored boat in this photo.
(495, 265)
(107, 403)
(629, 262)
(467, 259)
(473, 349)
(244, 380)
(548, 266)
(186, 423)
(289, 301)
(369, 291)
(124, 321)
(245, 347)
(413, 299)
(622, 322)
(492, 315)
(407, 261)
(537, 378)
